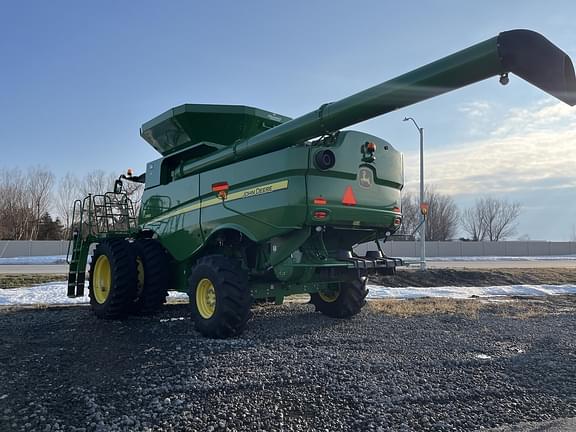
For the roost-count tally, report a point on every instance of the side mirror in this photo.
(118, 186)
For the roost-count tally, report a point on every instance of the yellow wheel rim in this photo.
(329, 295)
(206, 298)
(102, 281)
(140, 275)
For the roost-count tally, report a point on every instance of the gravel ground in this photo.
(293, 370)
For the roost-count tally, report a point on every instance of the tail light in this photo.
(319, 214)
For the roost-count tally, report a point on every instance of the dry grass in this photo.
(511, 307)
(27, 280)
(427, 306)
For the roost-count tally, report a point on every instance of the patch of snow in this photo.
(173, 319)
(378, 292)
(35, 260)
(53, 293)
(483, 357)
(50, 293)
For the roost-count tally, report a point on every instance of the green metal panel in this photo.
(270, 190)
(172, 211)
(375, 185)
(189, 124)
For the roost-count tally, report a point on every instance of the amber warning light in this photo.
(424, 208)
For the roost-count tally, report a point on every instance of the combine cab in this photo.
(245, 204)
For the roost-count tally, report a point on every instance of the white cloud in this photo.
(477, 109)
(527, 149)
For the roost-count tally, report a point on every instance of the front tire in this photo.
(112, 280)
(220, 296)
(342, 300)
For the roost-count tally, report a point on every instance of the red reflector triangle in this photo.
(349, 198)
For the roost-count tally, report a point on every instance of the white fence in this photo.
(24, 248)
(19, 248)
(469, 248)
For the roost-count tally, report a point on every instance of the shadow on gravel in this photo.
(287, 322)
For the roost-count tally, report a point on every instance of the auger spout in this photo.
(524, 53)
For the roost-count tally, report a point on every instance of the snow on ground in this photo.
(55, 293)
(34, 260)
(376, 291)
(50, 293)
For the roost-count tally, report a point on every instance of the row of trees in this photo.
(489, 219)
(34, 206)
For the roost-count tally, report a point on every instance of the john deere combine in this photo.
(245, 204)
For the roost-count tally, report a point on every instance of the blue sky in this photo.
(79, 78)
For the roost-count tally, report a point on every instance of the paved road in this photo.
(35, 269)
(63, 268)
(501, 264)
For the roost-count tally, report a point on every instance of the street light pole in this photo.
(422, 216)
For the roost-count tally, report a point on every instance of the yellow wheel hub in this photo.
(206, 298)
(329, 295)
(102, 279)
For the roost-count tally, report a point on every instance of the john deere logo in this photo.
(365, 177)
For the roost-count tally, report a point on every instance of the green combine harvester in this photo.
(247, 205)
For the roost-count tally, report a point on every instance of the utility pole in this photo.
(423, 205)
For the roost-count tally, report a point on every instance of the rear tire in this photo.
(112, 279)
(219, 296)
(153, 275)
(345, 301)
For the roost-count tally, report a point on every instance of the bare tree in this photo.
(443, 216)
(491, 219)
(97, 182)
(410, 214)
(471, 222)
(24, 199)
(68, 192)
(39, 189)
(15, 214)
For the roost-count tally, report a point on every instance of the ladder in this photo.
(94, 218)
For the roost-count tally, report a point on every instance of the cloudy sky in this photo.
(79, 78)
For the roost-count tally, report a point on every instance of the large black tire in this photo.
(346, 300)
(153, 277)
(219, 296)
(112, 279)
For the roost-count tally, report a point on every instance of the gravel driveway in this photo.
(293, 370)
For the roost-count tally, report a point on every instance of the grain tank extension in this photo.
(246, 205)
